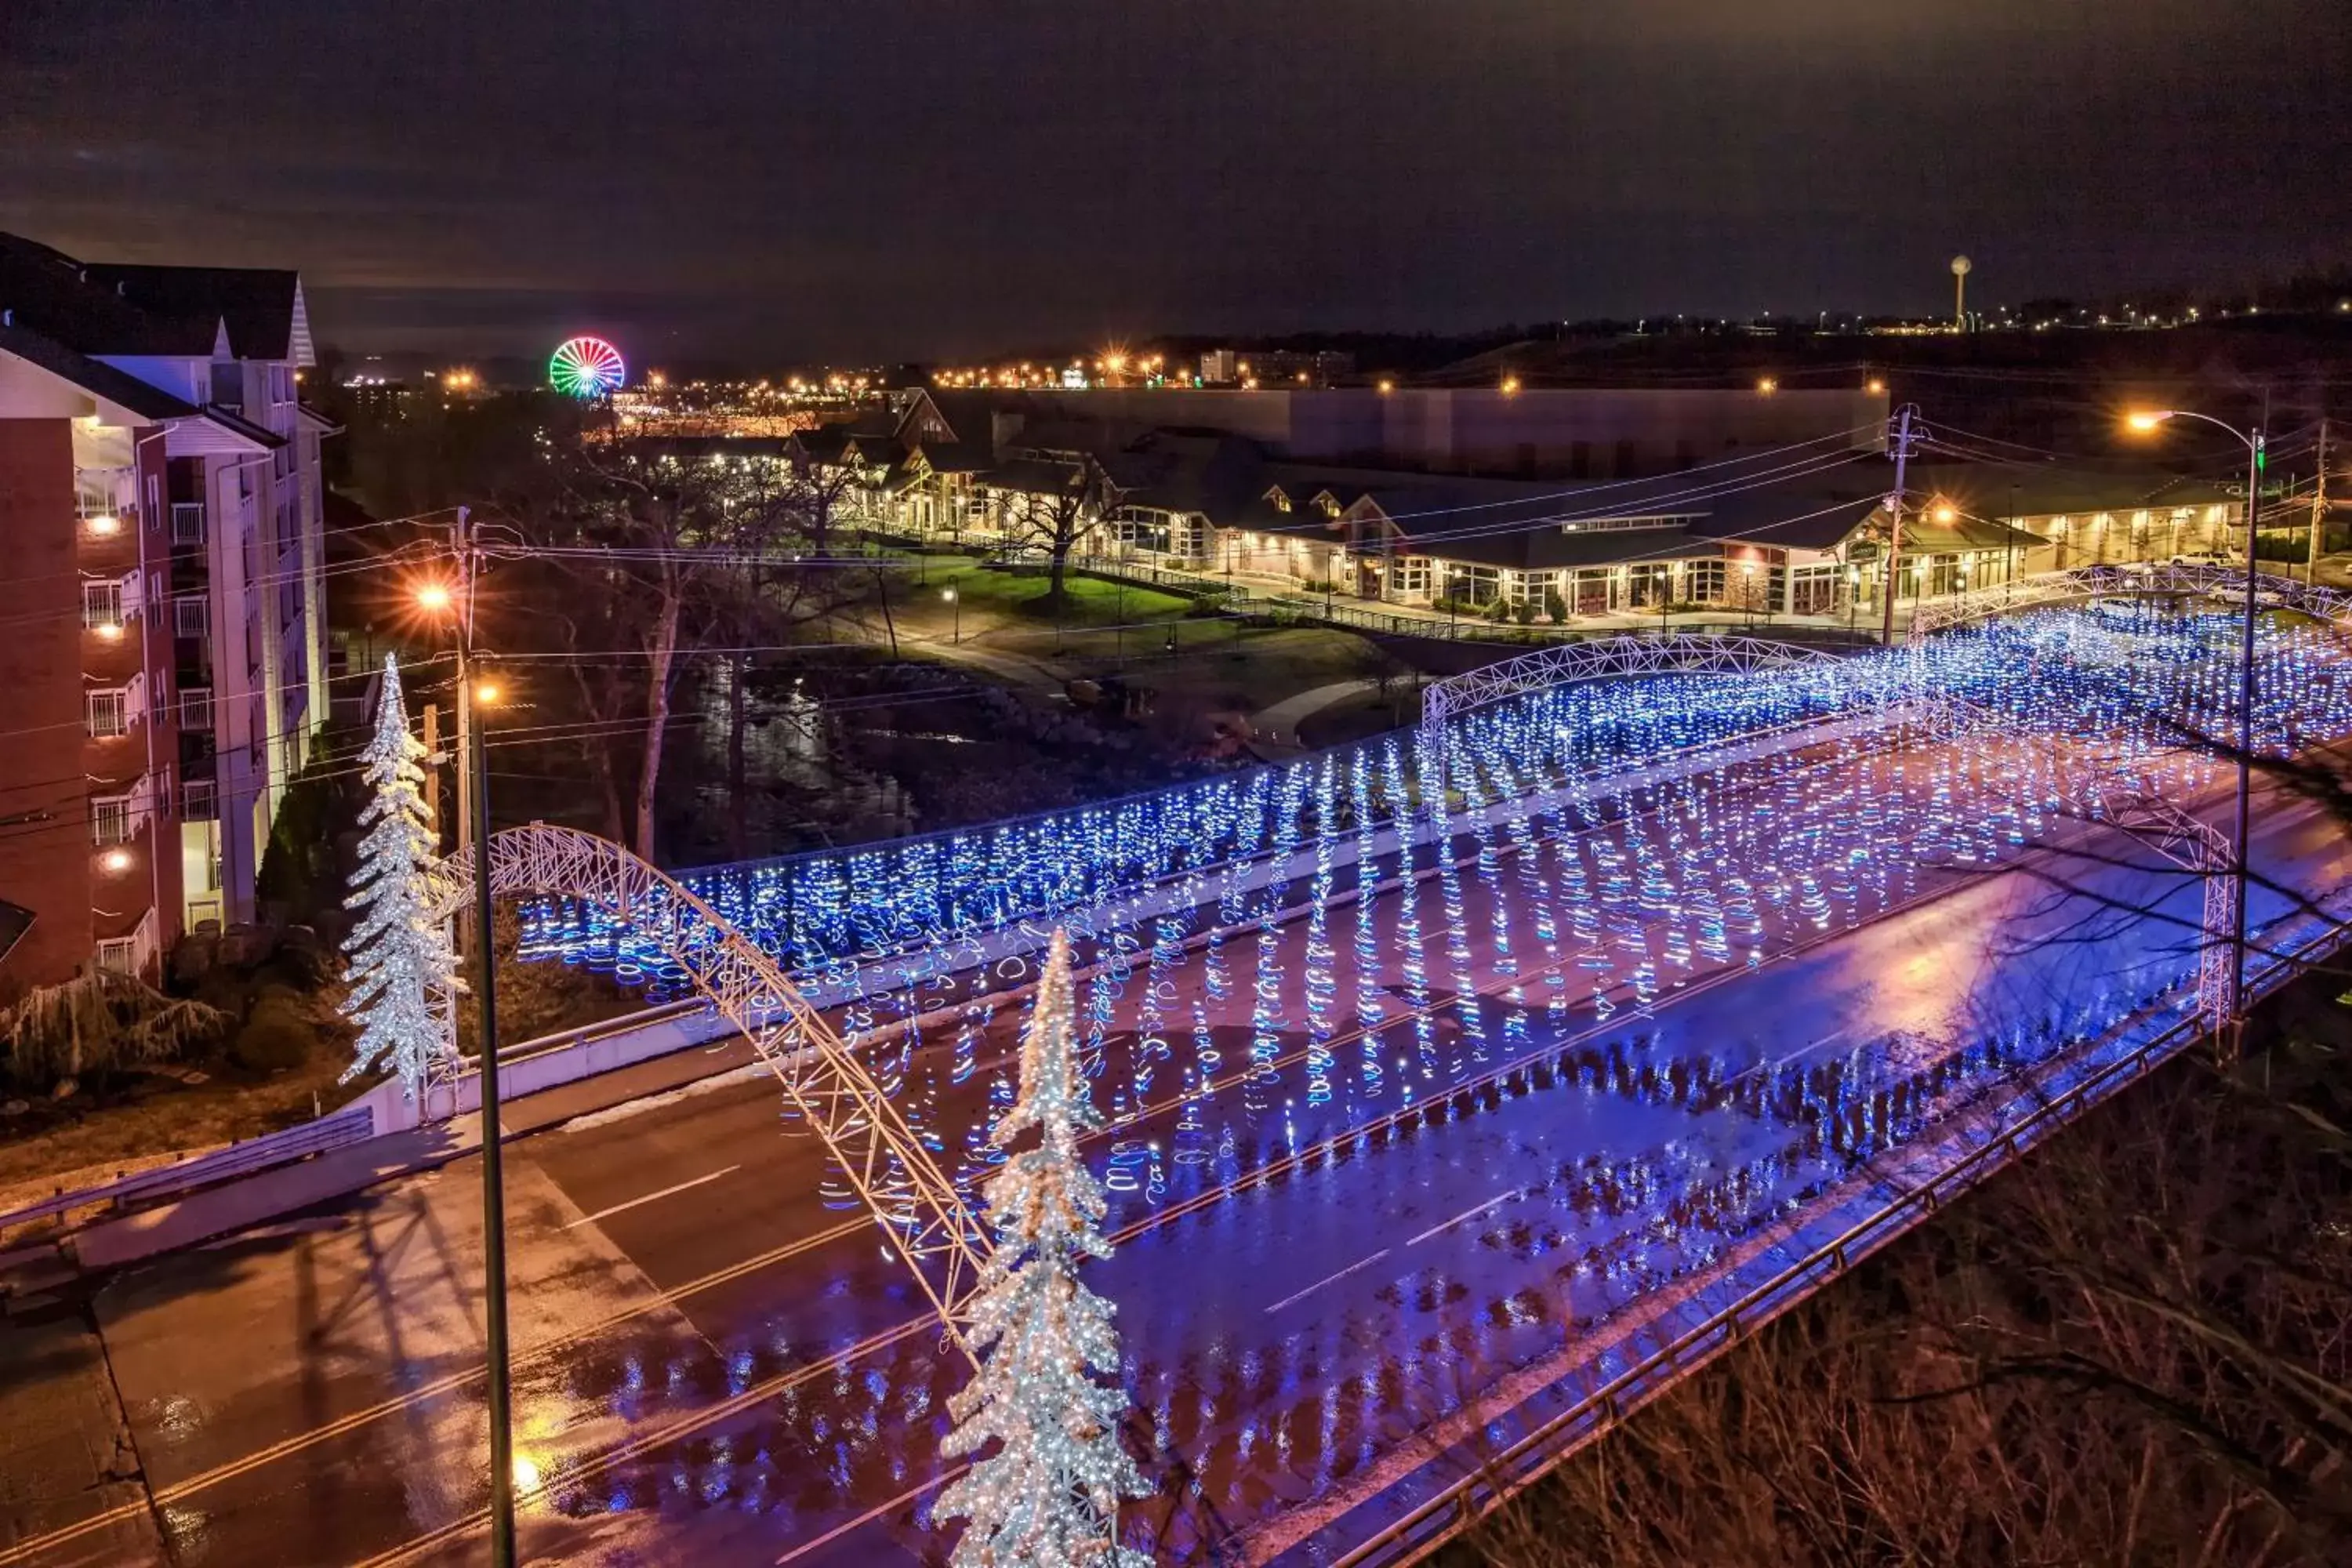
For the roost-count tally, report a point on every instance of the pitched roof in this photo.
(261, 306)
(955, 456)
(237, 424)
(100, 381)
(176, 312)
(1036, 476)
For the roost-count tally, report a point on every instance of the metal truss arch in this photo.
(1596, 658)
(2198, 848)
(2081, 583)
(893, 1174)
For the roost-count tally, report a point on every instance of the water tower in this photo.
(1960, 265)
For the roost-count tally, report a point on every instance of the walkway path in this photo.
(1277, 725)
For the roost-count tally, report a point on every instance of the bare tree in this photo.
(655, 555)
(1054, 520)
(2131, 1348)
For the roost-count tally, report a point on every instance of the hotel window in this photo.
(1702, 583)
(191, 615)
(101, 602)
(196, 708)
(110, 819)
(109, 712)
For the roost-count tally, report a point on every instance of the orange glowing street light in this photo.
(433, 597)
(1946, 512)
(2257, 442)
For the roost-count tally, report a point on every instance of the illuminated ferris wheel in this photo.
(586, 367)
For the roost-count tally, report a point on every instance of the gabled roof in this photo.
(822, 444)
(1036, 476)
(136, 312)
(957, 456)
(237, 425)
(261, 306)
(100, 381)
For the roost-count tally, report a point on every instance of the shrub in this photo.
(1524, 611)
(99, 1022)
(1555, 607)
(276, 1035)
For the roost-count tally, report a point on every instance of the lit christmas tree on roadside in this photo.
(399, 960)
(1048, 1495)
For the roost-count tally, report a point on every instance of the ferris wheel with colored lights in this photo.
(586, 367)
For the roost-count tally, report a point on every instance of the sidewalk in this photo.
(288, 1189)
(1277, 725)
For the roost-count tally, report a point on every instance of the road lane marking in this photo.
(1723, 974)
(1154, 1220)
(1763, 1063)
(630, 1448)
(633, 1447)
(1352, 1268)
(870, 1515)
(1468, 1214)
(650, 1197)
(448, 1383)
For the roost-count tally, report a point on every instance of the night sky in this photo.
(887, 178)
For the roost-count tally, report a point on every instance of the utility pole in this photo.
(494, 1218)
(461, 545)
(432, 778)
(2318, 509)
(1894, 507)
(2256, 439)
(473, 771)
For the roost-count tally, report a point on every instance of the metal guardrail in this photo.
(242, 1159)
(1439, 1518)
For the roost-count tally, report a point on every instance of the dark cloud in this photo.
(899, 177)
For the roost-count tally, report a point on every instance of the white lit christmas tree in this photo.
(400, 960)
(1048, 1496)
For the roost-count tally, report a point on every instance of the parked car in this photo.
(2205, 558)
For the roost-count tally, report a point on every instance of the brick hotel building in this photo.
(162, 616)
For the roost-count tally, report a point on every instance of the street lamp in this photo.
(956, 606)
(2253, 440)
(436, 599)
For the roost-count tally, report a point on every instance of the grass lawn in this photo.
(989, 598)
(1260, 667)
(129, 1135)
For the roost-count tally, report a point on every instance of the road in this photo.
(1372, 1161)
